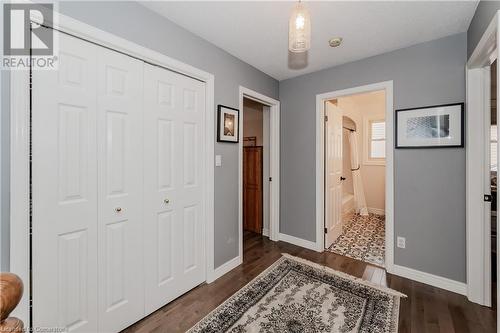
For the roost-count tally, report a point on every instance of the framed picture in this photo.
(436, 126)
(228, 121)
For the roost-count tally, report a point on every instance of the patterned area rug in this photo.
(295, 295)
(362, 238)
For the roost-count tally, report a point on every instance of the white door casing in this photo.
(120, 163)
(333, 170)
(173, 142)
(487, 218)
(65, 190)
(273, 106)
(477, 172)
(387, 86)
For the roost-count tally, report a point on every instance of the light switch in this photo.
(218, 160)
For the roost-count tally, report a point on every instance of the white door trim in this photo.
(389, 168)
(274, 164)
(19, 185)
(478, 109)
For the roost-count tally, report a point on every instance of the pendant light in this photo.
(299, 29)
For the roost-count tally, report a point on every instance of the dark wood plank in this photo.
(427, 309)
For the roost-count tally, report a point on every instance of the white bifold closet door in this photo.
(173, 185)
(117, 188)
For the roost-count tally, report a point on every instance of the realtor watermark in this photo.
(28, 40)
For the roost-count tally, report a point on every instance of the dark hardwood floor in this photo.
(426, 309)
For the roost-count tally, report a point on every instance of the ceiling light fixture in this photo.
(335, 41)
(299, 29)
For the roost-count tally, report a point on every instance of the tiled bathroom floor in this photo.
(363, 238)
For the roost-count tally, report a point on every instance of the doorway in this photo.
(255, 167)
(325, 104)
(265, 181)
(355, 152)
(482, 168)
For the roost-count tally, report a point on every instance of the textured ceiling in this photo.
(257, 32)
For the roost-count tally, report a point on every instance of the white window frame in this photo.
(367, 159)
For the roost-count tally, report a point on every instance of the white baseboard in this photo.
(430, 279)
(224, 268)
(265, 232)
(299, 242)
(377, 211)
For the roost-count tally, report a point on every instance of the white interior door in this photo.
(173, 185)
(333, 173)
(64, 176)
(120, 161)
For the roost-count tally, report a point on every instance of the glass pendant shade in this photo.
(299, 29)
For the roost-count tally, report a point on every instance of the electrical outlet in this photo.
(401, 242)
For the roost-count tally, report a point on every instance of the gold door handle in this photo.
(118, 209)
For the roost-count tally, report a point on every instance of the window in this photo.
(377, 139)
(374, 140)
(493, 147)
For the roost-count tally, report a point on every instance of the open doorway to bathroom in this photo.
(355, 156)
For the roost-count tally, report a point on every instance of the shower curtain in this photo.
(357, 183)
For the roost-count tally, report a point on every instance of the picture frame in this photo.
(228, 122)
(436, 126)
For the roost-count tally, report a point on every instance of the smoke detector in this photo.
(335, 41)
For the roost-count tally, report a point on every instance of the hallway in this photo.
(427, 309)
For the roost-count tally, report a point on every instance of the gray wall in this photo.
(482, 18)
(138, 24)
(429, 183)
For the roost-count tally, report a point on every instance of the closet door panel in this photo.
(174, 252)
(64, 183)
(191, 120)
(121, 284)
(161, 153)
